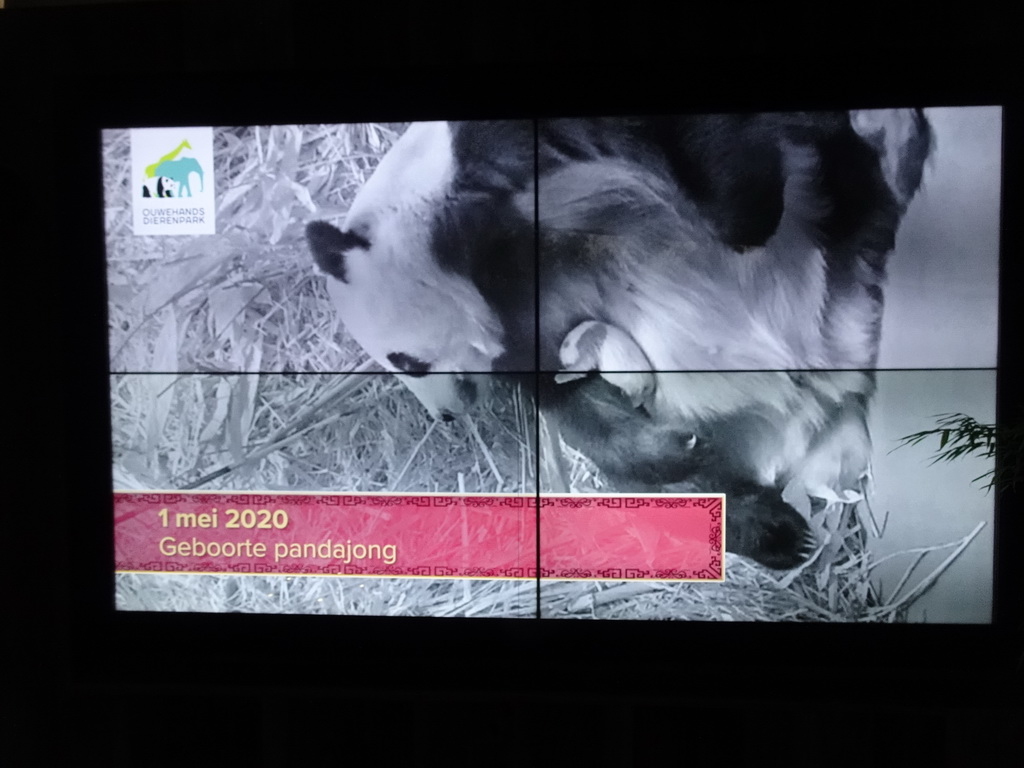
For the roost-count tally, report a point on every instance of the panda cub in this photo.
(613, 354)
(605, 368)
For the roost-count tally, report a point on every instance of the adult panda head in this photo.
(405, 291)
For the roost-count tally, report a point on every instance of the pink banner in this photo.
(419, 535)
(665, 538)
(435, 536)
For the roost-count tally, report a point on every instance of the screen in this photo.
(603, 368)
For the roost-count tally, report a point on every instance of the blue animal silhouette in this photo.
(179, 171)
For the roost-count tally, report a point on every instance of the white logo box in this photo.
(173, 190)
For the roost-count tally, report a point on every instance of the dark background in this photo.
(461, 695)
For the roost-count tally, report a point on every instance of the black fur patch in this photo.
(911, 165)
(493, 156)
(637, 453)
(329, 246)
(731, 167)
(409, 364)
(478, 232)
(764, 527)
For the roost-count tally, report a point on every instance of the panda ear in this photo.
(903, 140)
(329, 245)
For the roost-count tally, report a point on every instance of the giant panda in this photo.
(160, 186)
(743, 255)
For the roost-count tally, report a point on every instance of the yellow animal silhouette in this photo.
(151, 169)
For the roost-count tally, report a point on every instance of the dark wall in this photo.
(54, 57)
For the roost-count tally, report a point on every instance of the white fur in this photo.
(397, 298)
(706, 307)
(693, 304)
(793, 412)
(441, 393)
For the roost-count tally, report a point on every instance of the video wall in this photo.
(605, 368)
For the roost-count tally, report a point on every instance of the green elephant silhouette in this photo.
(179, 171)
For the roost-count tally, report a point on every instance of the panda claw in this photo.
(810, 542)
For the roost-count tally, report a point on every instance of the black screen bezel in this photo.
(405, 653)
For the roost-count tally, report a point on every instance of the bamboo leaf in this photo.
(232, 195)
(303, 196)
(165, 348)
(961, 435)
(221, 398)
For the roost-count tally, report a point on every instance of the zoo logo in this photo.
(169, 176)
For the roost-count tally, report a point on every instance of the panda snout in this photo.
(446, 396)
(466, 394)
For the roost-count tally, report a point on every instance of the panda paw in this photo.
(761, 526)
